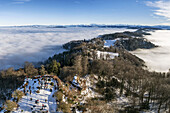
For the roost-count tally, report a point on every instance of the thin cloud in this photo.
(77, 2)
(20, 1)
(162, 8)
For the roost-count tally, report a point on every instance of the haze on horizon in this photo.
(66, 12)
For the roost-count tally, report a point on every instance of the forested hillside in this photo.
(117, 80)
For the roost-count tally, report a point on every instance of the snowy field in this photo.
(104, 55)
(109, 43)
(20, 44)
(28, 105)
(157, 59)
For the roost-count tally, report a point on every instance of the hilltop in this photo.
(101, 75)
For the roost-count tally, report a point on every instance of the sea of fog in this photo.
(157, 59)
(20, 44)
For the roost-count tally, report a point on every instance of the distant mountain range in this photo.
(157, 27)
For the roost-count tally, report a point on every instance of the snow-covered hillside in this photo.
(106, 55)
(109, 43)
(34, 100)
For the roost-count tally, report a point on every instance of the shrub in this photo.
(26, 84)
(75, 97)
(51, 90)
(131, 110)
(52, 83)
(100, 106)
(144, 105)
(59, 95)
(81, 108)
(38, 91)
(18, 94)
(101, 84)
(70, 101)
(1, 108)
(64, 107)
(113, 83)
(38, 87)
(109, 94)
(10, 105)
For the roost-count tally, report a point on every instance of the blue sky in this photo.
(64, 12)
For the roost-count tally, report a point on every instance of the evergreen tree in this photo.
(54, 67)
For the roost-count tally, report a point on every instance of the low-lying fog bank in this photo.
(20, 44)
(157, 59)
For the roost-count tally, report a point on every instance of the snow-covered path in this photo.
(27, 103)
